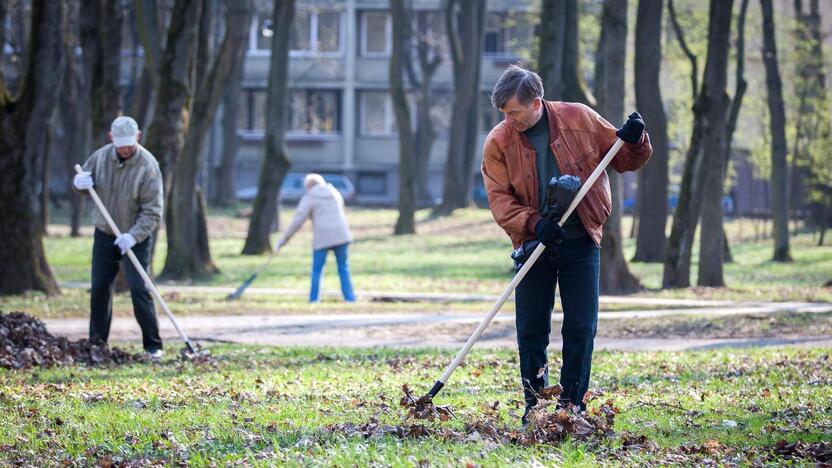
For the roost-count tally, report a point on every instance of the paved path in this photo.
(424, 329)
(383, 296)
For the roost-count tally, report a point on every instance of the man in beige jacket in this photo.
(325, 206)
(128, 180)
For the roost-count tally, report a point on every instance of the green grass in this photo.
(272, 406)
(465, 253)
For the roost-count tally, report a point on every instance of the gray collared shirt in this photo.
(130, 190)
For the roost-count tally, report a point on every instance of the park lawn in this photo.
(465, 253)
(261, 405)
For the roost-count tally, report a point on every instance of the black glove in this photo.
(549, 232)
(631, 131)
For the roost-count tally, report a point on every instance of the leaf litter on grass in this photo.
(547, 426)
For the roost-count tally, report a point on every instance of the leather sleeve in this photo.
(508, 212)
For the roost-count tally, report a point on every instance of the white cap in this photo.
(125, 131)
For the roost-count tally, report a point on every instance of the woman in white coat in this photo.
(325, 206)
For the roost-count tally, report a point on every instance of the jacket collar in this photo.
(133, 160)
(554, 130)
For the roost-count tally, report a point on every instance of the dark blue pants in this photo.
(106, 257)
(575, 270)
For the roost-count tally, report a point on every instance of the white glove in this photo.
(125, 242)
(83, 181)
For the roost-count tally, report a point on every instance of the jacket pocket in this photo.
(585, 163)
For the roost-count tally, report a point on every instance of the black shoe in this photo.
(525, 419)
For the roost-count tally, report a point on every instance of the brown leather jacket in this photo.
(580, 138)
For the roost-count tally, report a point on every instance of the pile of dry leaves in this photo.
(24, 343)
(819, 451)
(548, 423)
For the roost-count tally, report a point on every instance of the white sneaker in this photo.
(155, 356)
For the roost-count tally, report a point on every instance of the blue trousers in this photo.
(318, 262)
(576, 271)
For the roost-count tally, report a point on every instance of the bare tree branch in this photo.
(680, 36)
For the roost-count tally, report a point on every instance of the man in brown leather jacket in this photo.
(539, 140)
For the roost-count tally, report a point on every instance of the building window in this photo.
(371, 183)
(309, 111)
(313, 111)
(507, 34)
(251, 116)
(300, 35)
(314, 32)
(329, 31)
(377, 117)
(376, 33)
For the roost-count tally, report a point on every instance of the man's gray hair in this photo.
(517, 81)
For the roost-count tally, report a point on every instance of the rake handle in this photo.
(137, 265)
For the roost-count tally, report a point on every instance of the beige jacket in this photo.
(325, 206)
(131, 191)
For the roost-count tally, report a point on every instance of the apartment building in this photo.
(340, 114)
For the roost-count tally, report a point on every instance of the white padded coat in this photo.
(325, 206)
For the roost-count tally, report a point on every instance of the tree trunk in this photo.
(187, 256)
(3, 12)
(680, 36)
(45, 168)
(707, 142)
(464, 28)
(225, 194)
(740, 85)
(275, 158)
(651, 197)
(616, 277)
(74, 115)
(24, 123)
(711, 239)
(147, 23)
(204, 44)
(106, 61)
(686, 215)
(171, 111)
(429, 59)
(559, 55)
(405, 224)
(425, 136)
(726, 250)
(165, 135)
(574, 87)
(551, 44)
(777, 125)
(810, 182)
